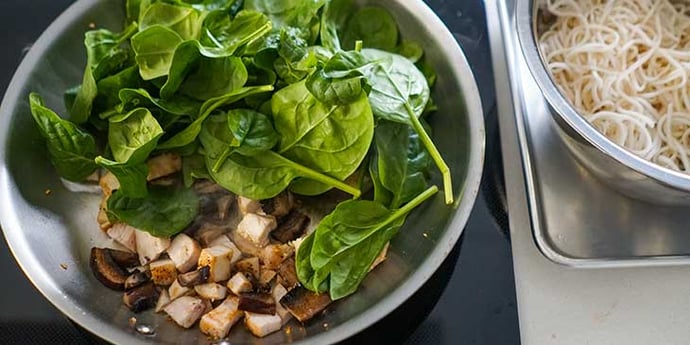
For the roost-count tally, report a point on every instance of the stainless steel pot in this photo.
(50, 234)
(612, 164)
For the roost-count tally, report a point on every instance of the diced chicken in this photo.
(163, 301)
(176, 290)
(296, 243)
(102, 217)
(109, 183)
(247, 205)
(218, 260)
(163, 272)
(239, 284)
(279, 206)
(208, 233)
(266, 277)
(249, 266)
(256, 228)
(163, 165)
(184, 251)
(381, 257)
(185, 311)
(211, 291)
(150, 247)
(278, 292)
(225, 241)
(217, 323)
(246, 246)
(274, 254)
(262, 325)
(124, 235)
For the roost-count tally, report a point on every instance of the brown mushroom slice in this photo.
(106, 270)
(304, 304)
(199, 276)
(278, 206)
(124, 259)
(135, 279)
(141, 298)
(291, 227)
(287, 275)
(256, 302)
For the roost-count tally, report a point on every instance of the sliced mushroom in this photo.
(135, 279)
(124, 259)
(260, 303)
(291, 227)
(287, 275)
(279, 205)
(106, 270)
(304, 304)
(223, 205)
(141, 298)
(199, 276)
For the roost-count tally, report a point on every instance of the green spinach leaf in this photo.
(71, 150)
(336, 14)
(185, 21)
(222, 35)
(154, 49)
(164, 212)
(374, 26)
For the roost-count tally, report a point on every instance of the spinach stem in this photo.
(407, 208)
(323, 178)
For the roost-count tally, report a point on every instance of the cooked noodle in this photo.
(624, 65)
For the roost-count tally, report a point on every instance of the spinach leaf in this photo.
(332, 140)
(402, 162)
(399, 93)
(164, 212)
(194, 168)
(295, 13)
(411, 50)
(228, 34)
(189, 134)
(179, 106)
(132, 177)
(108, 90)
(185, 21)
(252, 130)
(341, 80)
(71, 150)
(294, 61)
(374, 26)
(154, 49)
(231, 6)
(346, 242)
(335, 15)
(83, 102)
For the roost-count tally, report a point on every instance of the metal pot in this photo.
(614, 165)
(50, 234)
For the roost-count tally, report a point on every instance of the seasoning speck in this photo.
(288, 330)
(48, 191)
(132, 321)
(63, 266)
(92, 25)
(425, 235)
(325, 325)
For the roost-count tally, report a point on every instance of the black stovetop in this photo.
(475, 284)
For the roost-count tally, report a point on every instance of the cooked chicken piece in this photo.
(250, 267)
(266, 277)
(287, 275)
(381, 257)
(207, 233)
(150, 247)
(239, 284)
(278, 206)
(185, 311)
(291, 227)
(163, 272)
(218, 260)
(304, 304)
(163, 301)
(296, 243)
(109, 183)
(176, 290)
(278, 292)
(141, 298)
(256, 228)
(217, 323)
(163, 165)
(273, 255)
(211, 291)
(102, 217)
(124, 235)
(184, 252)
(246, 246)
(225, 241)
(247, 206)
(262, 325)
(199, 276)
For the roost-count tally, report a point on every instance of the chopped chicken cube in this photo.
(239, 283)
(218, 260)
(217, 323)
(163, 165)
(249, 266)
(163, 301)
(163, 272)
(247, 206)
(278, 292)
(150, 247)
(262, 325)
(124, 235)
(211, 291)
(186, 310)
(109, 183)
(102, 217)
(274, 254)
(266, 276)
(184, 252)
(176, 290)
(225, 241)
(256, 228)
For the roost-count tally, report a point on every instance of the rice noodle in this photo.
(624, 65)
